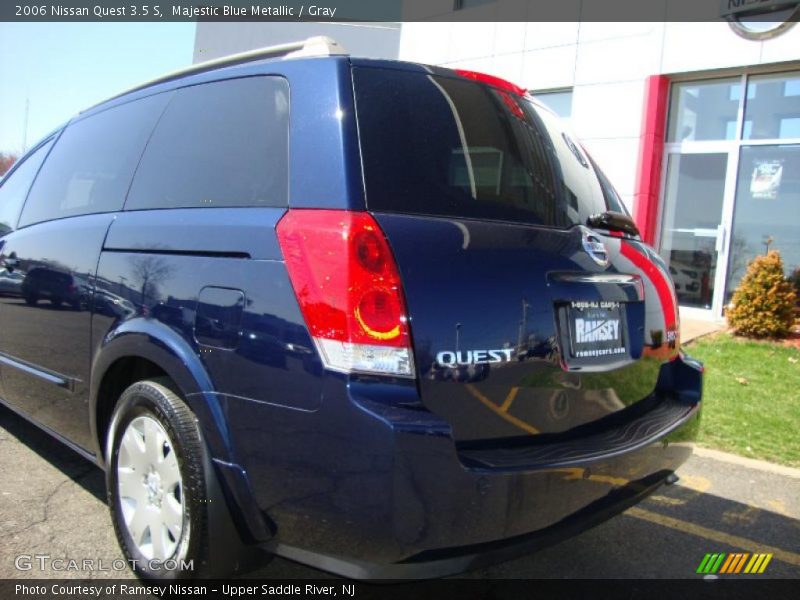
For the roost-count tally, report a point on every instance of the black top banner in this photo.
(397, 10)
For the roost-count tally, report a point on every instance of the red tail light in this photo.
(348, 287)
(497, 82)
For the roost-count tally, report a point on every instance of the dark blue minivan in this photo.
(385, 319)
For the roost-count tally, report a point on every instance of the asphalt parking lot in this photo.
(52, 502)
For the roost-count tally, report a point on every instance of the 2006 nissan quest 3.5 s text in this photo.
(385, 319)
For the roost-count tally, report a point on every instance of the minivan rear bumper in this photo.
(451, 561)
(386, 493)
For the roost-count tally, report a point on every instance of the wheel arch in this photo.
(144, 348)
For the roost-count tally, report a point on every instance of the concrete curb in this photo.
(700, 336)
(750, 463)
(692, 331)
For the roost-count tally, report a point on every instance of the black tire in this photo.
(203, 502)
(31, 300)
(56, 301)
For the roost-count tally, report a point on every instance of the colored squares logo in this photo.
(736, 562)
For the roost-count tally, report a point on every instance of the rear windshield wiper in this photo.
(613, 221)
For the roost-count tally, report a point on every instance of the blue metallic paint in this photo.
(223, 231)
(358, 468)
(49, 330)
(157, 343)
(479, 285)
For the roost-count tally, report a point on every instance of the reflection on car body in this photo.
(11, 283)
(59, 287)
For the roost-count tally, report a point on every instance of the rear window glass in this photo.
(448, 146)
(220, 144)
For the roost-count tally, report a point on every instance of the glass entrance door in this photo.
(692, 234)
(731, 187)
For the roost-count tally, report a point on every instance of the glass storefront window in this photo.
(767, 209)
(692, 215)
(704, 110)
(772, 109)
(737, 196)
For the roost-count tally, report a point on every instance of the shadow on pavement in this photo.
(69, 462)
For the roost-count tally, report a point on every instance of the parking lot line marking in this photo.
(695, 483)
(659, 499)
(778, 506)
(736, 541)
(740, 516)
(509, 399)
(501, 413)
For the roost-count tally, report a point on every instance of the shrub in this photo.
(763, 304)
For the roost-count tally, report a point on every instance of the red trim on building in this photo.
(651, 152)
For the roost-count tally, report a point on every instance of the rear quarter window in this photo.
(91, 165)
(221, 144)
(448, 146)
(14, 188)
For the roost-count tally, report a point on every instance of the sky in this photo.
(67, 67)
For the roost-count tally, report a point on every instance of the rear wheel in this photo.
(31, 300)
(160, 484)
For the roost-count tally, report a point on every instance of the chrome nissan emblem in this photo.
(595, 248)
(760, 19)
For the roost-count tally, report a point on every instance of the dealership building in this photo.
(697, 124)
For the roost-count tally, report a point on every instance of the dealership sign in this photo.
(760, 19)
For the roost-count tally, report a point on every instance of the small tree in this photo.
(6, 162)
(763, 304)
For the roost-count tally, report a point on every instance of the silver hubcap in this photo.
(150, 489)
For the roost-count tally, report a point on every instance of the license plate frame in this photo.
(596, 330)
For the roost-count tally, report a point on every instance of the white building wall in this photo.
(214, 39)
(606, 65)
